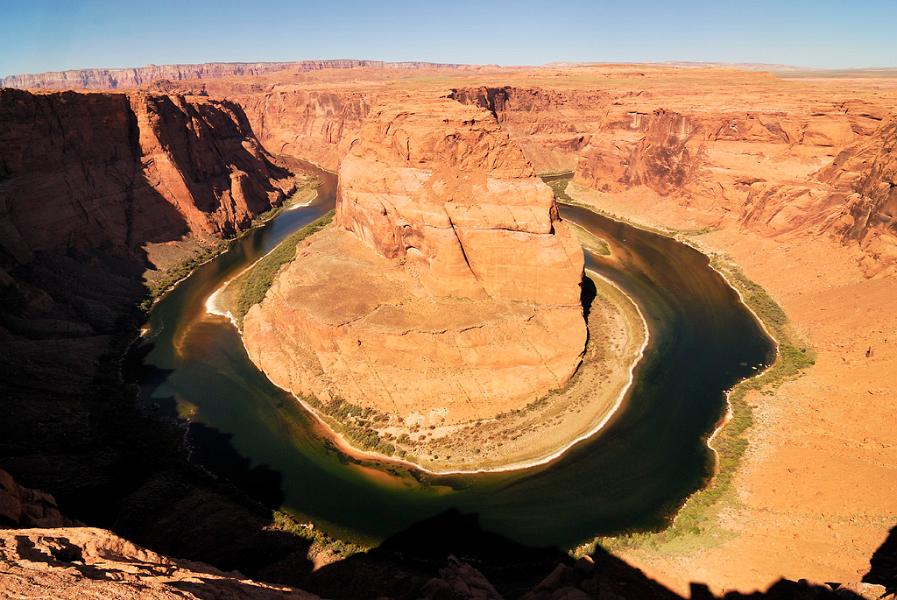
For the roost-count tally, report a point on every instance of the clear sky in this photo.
(42, 35)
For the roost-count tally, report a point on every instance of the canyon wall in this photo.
(863, 178)
(89, 185)
(315, 125)
(814, 169)
(449, 290)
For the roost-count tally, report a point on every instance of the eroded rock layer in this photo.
(449, 287)
(807, 164)
(90, 184)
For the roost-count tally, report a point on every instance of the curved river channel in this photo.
(633, 474)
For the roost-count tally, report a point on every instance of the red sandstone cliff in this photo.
(864, 179)
(450, 289)
(88, 183)
(315, 125)
(750, 168)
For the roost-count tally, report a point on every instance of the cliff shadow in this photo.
(450, 556)
(883, 565)
(71, 282)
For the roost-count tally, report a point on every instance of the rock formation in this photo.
(864, 180)
(89, 183)
(756, 167)
(25, 507)
(317, 125)
(91, 186)
(85, 562)
(449, 290)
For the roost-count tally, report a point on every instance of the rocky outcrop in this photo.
(201, 156)
(82, 562)
(864, 182)
(450, 289)
(24, 507)
(551, 126)
(130, 78)
(750, 168)
(83, 169)
(90, 185)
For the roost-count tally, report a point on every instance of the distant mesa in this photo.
(135, 77)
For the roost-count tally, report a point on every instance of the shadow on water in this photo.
(452, 556)
(449, 556)
(633, 475)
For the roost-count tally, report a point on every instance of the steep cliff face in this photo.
(551, 126)
(89, 184)
(448, 288)
(110, 79)
(202, 156)
(87, 169)
(864, 179)
(666, 158)
(753, 168)
(310, 124)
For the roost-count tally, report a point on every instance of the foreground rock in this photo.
(449, 290)
(84, 562)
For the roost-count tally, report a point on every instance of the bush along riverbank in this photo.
(695, 524)
(248, 288)
(202, 251)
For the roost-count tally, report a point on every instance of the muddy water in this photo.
(632, 475)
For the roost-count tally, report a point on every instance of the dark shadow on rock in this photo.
(883, 564)
(449, 557)
(587, 294)
(72, 260)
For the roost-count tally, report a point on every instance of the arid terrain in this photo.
(791, 180)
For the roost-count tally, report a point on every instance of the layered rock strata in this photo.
(799, 167)
(91, 186)
(449, 290)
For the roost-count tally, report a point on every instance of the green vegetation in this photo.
(692, 525)
(306, 188)
(320, 541)
(559, 186)
(172, 276)
(355, 423)
(250, 287)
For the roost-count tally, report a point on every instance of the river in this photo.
(632, 475)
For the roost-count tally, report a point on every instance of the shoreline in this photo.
(729, 413)
(348, 449)
(727, 418)
(344, 446)
(211, 302)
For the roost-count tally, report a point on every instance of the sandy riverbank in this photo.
(534, 435)
(813, 495)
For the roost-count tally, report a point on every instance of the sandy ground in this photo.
(817, 491)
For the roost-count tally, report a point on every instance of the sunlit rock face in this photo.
(448, 284)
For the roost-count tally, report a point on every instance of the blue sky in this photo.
(40, 35)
